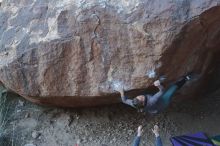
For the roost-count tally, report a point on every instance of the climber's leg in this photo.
(166, 97)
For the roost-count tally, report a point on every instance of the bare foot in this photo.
(156, 130)
(140, 130)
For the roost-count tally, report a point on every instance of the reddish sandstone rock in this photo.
(74, 53)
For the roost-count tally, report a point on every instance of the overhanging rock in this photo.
(75, 53)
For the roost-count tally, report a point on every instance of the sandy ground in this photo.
(113, 125)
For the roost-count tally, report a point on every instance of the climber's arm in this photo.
(127, 101)
(156, 96)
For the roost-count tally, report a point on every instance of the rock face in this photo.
(75, 52)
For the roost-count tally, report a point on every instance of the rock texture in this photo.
(76, 52)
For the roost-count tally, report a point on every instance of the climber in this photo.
(157, 102)
(137, 139)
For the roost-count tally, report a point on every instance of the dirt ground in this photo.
(33, 125)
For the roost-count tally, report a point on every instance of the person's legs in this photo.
(166, 97)
(180, 82)
(158, 141)
(137, 139)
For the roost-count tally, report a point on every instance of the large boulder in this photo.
(76, 52)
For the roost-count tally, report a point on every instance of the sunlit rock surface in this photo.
(76, 52)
